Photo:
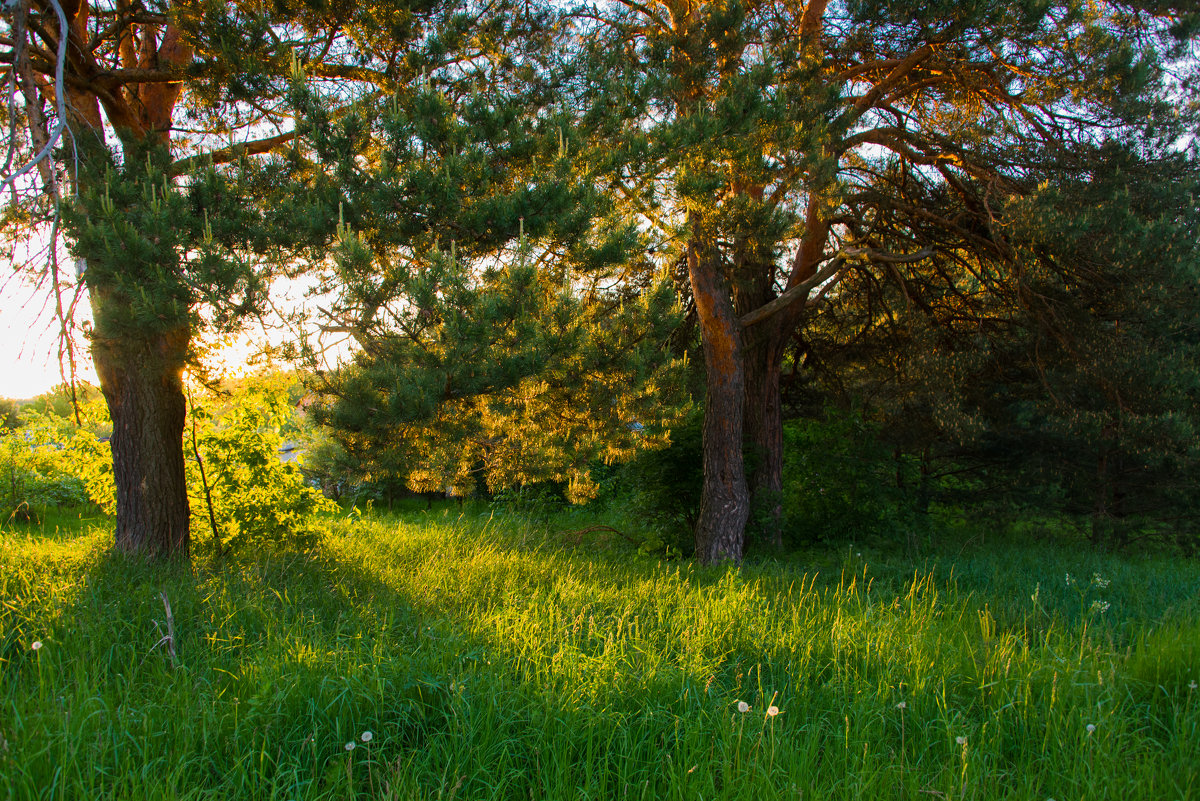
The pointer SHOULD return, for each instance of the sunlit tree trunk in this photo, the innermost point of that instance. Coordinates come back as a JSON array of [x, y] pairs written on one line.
[[725, 498]]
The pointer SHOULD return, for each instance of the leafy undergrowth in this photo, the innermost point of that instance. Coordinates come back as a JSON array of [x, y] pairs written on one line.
[[489, 658]]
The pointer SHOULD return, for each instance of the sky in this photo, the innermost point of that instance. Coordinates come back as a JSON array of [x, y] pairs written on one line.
[[29, 343], [29, 340]]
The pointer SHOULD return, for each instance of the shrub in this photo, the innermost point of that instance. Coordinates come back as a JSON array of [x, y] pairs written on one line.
[[35, 472], [256, 499], [661, 488]]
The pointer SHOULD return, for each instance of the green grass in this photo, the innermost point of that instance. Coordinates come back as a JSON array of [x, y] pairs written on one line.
[[491, 661]]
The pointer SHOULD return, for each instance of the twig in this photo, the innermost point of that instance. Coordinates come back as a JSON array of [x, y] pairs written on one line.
[[60, 101], [212, 515], [578, 535], [169, 637]]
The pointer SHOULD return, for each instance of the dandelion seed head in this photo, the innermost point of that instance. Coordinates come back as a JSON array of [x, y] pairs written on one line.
[[743, 706], [772, 711], [961, 740], [1091, 727], [902, 705], [1192, 684], [37, 645], [367, 737], [350, 746]]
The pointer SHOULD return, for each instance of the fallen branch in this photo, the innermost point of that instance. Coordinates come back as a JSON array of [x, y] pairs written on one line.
[[578, 535], [167, 639]]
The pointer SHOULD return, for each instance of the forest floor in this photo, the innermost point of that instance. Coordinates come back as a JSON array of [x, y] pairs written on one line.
[[475, 656]]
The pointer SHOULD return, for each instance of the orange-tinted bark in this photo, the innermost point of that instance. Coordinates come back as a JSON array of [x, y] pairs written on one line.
[[725, 501]]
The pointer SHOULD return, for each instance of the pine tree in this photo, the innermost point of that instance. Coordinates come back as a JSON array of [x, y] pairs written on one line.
[[146, 124], [1066, 389], [508, 327], [781, 146], [1100, 382]]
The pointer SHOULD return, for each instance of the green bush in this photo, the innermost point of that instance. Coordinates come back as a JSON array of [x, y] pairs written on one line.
[[256, 500], [661, 488], [35, 472]]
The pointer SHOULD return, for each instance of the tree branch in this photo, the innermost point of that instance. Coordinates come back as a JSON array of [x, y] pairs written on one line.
[[798, 292], [60, 124], [647, 12], [350, 73], [231, 153], [109, 78], [897, 74], [830, 271]]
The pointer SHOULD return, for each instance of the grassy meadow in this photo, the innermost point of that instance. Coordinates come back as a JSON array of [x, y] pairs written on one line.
[[492, 657]]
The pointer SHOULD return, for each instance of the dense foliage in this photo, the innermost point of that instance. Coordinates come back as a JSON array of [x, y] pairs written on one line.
[[509, 327], [255, 499], [52, 459], [34, 474], [499, 202], [248, 492]]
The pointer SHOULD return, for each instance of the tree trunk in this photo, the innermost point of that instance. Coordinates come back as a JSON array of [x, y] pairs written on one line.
[[763, 347], [724, 501], [1100, 500], [141, 381], [764, 437]]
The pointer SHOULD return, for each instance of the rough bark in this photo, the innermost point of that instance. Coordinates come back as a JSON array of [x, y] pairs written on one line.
[[725, 499], [763, 349], [764, 438], [142, 383], [765, 342]]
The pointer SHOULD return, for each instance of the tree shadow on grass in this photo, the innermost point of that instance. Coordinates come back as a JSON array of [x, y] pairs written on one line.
[[266, 669], [261, 671], [473, 661]]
